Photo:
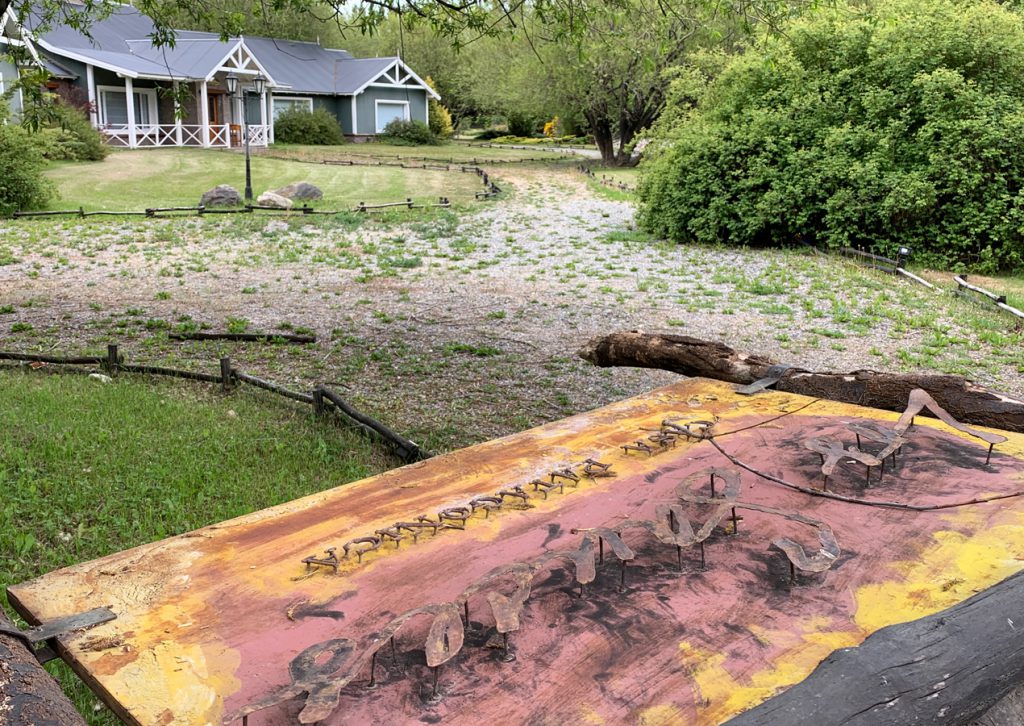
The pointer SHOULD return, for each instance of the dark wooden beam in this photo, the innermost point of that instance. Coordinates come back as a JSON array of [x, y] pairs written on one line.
[[949, 668]]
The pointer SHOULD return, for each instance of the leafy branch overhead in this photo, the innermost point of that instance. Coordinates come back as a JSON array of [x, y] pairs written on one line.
[[459, 21]]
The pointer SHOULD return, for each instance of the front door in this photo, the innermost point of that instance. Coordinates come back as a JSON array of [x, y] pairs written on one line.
[[213, 106]]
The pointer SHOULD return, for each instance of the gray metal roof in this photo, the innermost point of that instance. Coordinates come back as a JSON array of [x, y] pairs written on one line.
[[308, 68], [55, 69], [121, 42]]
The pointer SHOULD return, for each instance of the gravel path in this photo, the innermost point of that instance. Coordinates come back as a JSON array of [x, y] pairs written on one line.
[[466, 330]]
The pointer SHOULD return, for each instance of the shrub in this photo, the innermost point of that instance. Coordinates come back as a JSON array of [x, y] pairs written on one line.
[[408, 133], [522, 124], [22, 185], [70, 136], [439, 119], [299, 126], [899, 126], [488, 134]]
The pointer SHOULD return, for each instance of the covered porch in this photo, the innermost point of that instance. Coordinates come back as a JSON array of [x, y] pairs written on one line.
[[217, 111]]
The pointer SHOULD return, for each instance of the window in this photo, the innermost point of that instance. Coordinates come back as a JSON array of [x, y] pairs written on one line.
[[388, 111], [282, 104], [114, 106]]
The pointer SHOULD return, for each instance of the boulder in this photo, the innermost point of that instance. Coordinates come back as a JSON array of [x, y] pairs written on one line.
[[221, 196], [273, 199], [300, 190]]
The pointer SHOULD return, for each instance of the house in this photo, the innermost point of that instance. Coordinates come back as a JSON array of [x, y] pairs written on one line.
[[128, 83]]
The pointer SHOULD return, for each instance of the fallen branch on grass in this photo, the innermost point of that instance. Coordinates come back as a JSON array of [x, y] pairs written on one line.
[[688, 356], [245, 337]]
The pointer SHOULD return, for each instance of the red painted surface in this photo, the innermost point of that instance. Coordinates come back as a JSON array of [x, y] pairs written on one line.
[[209, 611], [616, 652]]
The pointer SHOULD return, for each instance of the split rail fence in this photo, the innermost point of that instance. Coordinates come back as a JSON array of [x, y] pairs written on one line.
[[490, 190], [324, 400]]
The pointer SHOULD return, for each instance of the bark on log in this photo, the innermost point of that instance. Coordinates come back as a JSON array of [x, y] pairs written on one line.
[[948, 668], [29, 696], [964, 400], [245, 337]]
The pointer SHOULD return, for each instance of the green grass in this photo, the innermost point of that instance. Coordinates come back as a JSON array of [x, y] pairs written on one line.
[[455, 153], [88, 468], [134, 180]]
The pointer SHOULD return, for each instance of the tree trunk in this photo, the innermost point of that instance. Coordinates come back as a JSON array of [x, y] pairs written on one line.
[[948, 668], [602, 132], [29, 696], [965, 401]]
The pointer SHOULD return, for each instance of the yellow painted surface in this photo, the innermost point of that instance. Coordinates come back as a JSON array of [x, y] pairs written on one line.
[[719, 695], [180, 601]]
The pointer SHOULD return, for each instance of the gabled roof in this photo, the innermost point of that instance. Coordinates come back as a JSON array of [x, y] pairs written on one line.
[[310, 68], [121, 43]]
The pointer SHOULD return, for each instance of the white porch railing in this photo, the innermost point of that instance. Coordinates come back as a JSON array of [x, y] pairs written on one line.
[[148, 136], [259, 135]]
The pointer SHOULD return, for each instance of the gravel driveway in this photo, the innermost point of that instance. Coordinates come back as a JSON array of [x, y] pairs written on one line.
[[463, 329]]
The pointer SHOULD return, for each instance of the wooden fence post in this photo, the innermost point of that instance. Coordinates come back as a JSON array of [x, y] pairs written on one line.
[[112, 359], [225, 374]]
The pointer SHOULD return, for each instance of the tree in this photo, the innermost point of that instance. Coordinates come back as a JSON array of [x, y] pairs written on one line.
[[898, 125], [609, 80], [460, 21]]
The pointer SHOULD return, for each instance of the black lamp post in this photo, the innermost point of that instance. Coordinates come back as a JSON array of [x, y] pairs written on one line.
[[259, 84]]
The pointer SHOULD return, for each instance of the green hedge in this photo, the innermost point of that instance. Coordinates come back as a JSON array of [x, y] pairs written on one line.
[[299, 126], [408, 133], [69, 135], [22, 184], [898, 125]]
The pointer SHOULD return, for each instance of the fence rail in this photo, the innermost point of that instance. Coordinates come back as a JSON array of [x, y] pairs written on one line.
[[999, 300], [323, 399], [606, 181], [165, 212]]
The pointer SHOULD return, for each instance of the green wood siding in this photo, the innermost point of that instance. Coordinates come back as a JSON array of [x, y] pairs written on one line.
[[366, 107], [9, 74]]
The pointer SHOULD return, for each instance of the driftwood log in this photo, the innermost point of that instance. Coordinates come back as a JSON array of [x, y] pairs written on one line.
[[688, 356], [949, 668], [29, 696]]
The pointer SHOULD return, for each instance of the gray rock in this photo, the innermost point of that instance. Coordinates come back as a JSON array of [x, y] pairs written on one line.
[[300, 190], [273, 199], [221, 196]]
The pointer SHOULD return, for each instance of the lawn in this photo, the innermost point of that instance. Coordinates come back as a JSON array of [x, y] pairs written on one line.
[[447, 153], [134, 180], [88, 468]]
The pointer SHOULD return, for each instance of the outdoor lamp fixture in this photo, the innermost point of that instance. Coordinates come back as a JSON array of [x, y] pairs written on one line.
[[259, 84], [902, 254]]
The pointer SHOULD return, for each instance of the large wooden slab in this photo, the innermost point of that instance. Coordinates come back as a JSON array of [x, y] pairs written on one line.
[[209, 621]]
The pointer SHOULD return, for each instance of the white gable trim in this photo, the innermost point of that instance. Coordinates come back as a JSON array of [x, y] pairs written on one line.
[[239, 57], [398, 67], [7, 20]]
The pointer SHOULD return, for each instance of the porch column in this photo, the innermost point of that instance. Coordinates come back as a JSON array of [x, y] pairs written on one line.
[[177, 116], [129, 97], [90, 86], [263, 115], [270, 113], [204, 114], [355, 117]]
